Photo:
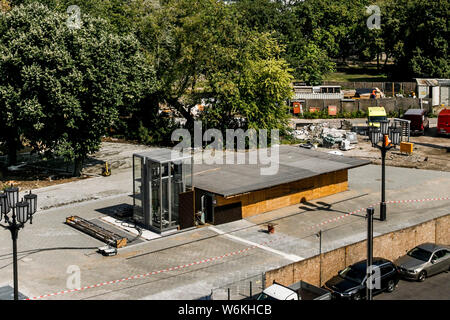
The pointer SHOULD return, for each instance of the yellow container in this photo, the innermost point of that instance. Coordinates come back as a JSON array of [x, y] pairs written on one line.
[[406, 147]]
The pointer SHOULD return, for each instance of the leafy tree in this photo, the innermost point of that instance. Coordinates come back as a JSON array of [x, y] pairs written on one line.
[[202, 52], [304, 52], [4, 6], [61, 88], [122, 15], [416, 36]]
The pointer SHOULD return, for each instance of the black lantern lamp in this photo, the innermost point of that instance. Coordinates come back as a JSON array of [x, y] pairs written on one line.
[[384, 127], [374, 135], [22, 211], [389, 137], [4, 206], [31, 199], [13, 196], [394, 136]]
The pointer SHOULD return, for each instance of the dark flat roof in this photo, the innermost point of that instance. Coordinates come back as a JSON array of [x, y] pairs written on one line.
[[294, 164], [416, 112]]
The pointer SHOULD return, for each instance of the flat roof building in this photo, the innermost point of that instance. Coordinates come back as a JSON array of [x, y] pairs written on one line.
[[226, 192]]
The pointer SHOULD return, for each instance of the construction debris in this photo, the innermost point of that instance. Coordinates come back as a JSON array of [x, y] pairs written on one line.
[[321, 134], [96, 231]]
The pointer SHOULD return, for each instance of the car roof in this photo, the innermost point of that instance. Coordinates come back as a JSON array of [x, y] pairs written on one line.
[[428, 246], [278, 291], [377, 261]]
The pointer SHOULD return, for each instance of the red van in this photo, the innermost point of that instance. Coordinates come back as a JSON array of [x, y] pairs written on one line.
[[419, 120], [443, 124]]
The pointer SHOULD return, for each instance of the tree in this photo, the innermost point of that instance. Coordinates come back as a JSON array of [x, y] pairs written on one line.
[[416, 36], [304, 50], [202, 52], [61, 88]]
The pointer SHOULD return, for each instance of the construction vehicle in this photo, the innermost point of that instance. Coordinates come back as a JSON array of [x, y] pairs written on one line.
[[298, 291], [375, 115]]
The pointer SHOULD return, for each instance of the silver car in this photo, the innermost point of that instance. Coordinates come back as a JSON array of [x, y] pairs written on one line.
[[424, 260]]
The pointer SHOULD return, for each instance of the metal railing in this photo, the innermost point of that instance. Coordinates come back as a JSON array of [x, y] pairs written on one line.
[[405, 126], [242, 289]]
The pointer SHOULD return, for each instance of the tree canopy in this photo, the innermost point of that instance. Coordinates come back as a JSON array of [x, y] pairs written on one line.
[[61, 88]]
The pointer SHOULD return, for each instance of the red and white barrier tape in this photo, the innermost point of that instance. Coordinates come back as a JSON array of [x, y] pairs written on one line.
[[224, 255]]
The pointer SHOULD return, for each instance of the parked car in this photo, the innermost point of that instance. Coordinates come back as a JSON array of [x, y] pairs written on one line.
[[443, 122], [419, 120], [298, 291], [350, 283], [423, 261]]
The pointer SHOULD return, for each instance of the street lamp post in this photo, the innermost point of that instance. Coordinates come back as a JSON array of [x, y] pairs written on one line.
[[389, 138], [22, 211], [319, 235], [369, 253]]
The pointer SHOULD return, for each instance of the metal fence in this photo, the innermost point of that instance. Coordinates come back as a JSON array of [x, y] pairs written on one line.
[[243, 289]]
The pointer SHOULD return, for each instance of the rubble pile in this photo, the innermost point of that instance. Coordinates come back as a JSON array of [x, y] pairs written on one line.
[[322, 134]]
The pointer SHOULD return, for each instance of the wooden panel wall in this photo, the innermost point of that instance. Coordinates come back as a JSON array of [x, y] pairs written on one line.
[[289, 194]]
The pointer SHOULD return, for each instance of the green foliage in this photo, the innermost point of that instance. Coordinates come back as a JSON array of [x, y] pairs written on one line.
[[203, 54], [416, 35], [62, 88]]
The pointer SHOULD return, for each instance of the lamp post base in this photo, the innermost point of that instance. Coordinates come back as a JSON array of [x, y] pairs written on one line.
[[382, 211]]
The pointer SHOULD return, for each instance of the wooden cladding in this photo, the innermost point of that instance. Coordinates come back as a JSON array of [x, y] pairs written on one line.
[[289, 193], [228, 213]]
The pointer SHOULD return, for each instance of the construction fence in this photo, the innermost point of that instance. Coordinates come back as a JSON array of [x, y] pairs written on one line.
[[320, 268], [390, 89], [352, 105]]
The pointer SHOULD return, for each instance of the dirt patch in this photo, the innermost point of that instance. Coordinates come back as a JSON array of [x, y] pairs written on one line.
[[32, 173], [30, 178], [430, 152]]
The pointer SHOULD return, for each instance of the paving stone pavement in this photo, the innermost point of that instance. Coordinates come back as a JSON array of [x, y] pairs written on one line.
[[48, 247]]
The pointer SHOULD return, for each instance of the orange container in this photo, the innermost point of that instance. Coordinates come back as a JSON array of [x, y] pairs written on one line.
[[406, 147]]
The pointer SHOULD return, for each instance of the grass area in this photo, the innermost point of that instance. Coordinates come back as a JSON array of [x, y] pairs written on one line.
[[357, 73]]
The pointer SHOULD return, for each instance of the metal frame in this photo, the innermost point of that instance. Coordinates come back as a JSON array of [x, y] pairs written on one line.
[[149, 166], [404, 124]]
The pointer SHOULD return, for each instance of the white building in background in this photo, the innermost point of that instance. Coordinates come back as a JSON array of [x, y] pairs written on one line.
[[438, 90]]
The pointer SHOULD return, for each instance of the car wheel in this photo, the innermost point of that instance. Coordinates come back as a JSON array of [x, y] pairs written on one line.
[[422, 276], [357, 296], [391, 286]]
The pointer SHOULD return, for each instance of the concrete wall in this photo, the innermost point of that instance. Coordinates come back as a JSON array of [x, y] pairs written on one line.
[[288, 194], [319, 269], [390, 104]]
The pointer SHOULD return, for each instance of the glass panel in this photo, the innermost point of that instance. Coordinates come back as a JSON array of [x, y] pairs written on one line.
[[177, 188], [187, 173], [155, 217], [137, 190], [165, 196]]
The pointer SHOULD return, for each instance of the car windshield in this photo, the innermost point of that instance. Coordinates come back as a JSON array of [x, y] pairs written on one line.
[[420, 254], [353, 274], [264, 296], [377, 118]]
